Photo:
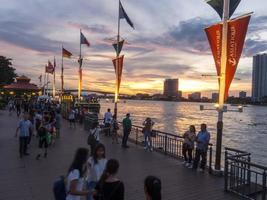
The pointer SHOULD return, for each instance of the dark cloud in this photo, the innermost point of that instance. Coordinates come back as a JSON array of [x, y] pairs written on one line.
[[23, 35], [95, 28]]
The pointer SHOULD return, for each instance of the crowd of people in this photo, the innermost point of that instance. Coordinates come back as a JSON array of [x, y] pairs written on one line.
[[39, 118], [91, 174]]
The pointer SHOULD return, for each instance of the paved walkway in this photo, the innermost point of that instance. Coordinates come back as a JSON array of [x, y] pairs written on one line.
[[28, 179]]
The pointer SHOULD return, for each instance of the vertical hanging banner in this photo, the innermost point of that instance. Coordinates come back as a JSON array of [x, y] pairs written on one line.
[[118, 61], [237, 30]]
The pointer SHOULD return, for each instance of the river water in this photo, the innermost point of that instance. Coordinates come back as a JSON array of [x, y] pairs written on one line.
[[246, 131]]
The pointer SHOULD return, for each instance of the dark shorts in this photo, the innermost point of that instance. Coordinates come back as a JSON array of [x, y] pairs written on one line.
[[43, 143]]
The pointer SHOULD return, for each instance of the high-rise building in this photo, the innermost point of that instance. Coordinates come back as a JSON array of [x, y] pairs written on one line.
[[195, 96], [242, 94], [259, 78], [171, 87]]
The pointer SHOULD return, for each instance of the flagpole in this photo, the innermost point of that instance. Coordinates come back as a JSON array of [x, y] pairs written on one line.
[[226, 7], [54, 81], [80, 70], [117, 68], [47, 81], [62, 75]]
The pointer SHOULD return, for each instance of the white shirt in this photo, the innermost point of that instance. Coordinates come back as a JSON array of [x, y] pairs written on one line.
[[108, 117], [95, 170], [74, 175], [96, 133]]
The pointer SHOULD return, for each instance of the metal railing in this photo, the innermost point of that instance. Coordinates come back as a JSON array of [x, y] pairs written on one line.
[[243, 177], [166, 143]]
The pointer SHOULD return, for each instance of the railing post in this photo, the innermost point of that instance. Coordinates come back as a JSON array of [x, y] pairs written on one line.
[[226, 171], [210, 160], [165, 144], [264, 185], [248, 172]]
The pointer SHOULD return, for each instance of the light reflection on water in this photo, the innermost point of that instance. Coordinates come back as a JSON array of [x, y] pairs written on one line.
[[245, 131]]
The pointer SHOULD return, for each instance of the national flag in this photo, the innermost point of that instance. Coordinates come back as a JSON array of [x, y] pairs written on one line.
[[116, 46], [123, 15], [118, 61], [49, 68], [237, 29], [83, 40], [217, 5], [66, 53]]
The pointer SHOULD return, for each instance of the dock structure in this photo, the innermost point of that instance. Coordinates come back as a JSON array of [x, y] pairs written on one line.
[[29, 179]]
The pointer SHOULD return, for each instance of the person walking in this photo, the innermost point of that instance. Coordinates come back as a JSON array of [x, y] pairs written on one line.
[[24, 128], [76, 176], [107, 122], [96, 166], [114, 130], [152, 187], [18, 107], [147, 131], [202, 140], [93, 137], [188, 145], [43, 141], [110, 187], [127, 127], [72, 118]]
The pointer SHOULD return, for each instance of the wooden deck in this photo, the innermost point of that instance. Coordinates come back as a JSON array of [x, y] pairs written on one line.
[[28, 179]]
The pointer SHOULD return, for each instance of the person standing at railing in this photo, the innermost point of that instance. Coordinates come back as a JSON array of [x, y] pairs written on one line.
[[147, 131], [203, 139], [188, 145], [114, 130], [127, 127], [107, 121]]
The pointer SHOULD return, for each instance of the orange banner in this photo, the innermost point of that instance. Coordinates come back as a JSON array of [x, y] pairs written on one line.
[[118, 61], [237, 30]]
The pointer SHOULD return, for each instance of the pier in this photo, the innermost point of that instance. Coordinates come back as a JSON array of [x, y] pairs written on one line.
[[29, 179]]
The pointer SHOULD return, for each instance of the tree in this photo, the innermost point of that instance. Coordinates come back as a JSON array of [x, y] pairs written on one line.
[[7, 72]]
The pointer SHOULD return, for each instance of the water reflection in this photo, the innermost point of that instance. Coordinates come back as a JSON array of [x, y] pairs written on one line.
[[246, 131]]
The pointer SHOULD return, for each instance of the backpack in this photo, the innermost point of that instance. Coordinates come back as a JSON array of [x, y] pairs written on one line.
[[59, 189], [91, 140]]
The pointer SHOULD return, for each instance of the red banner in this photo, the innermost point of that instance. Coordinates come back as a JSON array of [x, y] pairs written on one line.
[[118, 61], [49, 68], [237, 30]]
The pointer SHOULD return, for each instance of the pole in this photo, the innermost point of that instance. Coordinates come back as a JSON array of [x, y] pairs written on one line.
[[62, 77], [47, 82], [222, 85], [54, 77], [80, 70], [117, 68]]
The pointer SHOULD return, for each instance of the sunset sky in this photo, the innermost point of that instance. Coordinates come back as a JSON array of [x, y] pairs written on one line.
[[168, 41]]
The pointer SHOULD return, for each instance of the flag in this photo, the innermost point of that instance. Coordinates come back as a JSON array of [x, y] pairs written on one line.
[[49, 68], [83, 40], [119, 61], [115, 45], [123, 15], [217, 5], [237, 29], [66, 53]]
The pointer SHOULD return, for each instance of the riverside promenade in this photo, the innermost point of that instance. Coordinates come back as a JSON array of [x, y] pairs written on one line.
[[29, 179]]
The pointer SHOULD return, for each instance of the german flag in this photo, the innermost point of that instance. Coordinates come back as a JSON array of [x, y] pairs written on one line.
[[66, 53]]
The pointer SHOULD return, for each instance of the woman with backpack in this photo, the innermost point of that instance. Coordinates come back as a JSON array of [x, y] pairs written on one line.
[[152, 187], [114, 129], [76, 176], [188, 145], [147, 131], [95, 167], [94, 137], [110, 187]]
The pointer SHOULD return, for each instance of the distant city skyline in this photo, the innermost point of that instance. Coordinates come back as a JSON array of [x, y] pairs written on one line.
[[166, 44]]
